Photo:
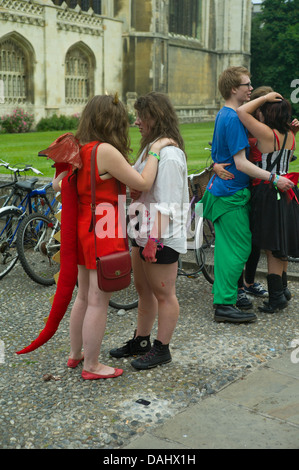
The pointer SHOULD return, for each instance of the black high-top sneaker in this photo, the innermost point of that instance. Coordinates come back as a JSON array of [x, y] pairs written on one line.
[[159, 354], [135, 346]]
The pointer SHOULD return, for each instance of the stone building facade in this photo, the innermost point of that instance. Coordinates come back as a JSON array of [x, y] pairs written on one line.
[[55, 54]]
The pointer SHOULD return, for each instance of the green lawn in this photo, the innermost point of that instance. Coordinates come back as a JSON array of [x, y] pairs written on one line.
[[22, 149]]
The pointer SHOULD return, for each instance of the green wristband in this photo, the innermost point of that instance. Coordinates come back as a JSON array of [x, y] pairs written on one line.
[[154, 154], [276, 180]]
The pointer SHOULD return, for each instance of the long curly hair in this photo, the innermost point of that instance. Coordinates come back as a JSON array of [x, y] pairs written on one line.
[[105, 119], [158, 107]]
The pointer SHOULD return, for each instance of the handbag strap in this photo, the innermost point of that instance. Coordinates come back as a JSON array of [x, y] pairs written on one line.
[[280, 153], [93, 187], [93, 196]]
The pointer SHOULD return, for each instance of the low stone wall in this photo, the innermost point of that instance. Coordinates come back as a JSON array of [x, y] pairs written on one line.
[[196, 114]]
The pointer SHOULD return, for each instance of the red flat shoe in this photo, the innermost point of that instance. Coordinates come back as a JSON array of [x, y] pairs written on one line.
[[90, 376], [72, 363]]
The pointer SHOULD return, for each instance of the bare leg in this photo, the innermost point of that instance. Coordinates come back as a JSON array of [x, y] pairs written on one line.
[[162, 280], [78, 314], [88, 321], [147, 304], [94, 327]]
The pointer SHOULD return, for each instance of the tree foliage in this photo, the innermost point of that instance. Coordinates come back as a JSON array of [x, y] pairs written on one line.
[[275, 49]]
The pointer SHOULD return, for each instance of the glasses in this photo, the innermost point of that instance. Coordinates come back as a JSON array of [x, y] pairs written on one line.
[[246, 84]]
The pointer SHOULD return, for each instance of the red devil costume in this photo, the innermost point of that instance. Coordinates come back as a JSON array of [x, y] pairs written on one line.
[[65, 151]]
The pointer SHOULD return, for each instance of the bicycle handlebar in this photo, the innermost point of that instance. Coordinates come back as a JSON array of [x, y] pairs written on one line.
[[19, 170]]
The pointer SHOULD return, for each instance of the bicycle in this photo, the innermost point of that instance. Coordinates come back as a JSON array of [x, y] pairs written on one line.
[[201, 241], [23, 193], [34, 199], [202, 229], [17, 191], [37, 243]]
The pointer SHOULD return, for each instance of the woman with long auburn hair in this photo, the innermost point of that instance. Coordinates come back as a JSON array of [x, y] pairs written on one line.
[[104, 121]]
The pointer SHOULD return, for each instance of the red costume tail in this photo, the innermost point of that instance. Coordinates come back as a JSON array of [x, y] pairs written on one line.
[[68, 263]]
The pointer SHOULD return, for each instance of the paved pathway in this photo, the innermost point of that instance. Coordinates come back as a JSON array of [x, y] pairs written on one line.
[[228, 386]]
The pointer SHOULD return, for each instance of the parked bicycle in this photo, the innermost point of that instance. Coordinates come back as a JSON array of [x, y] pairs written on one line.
[[202, 232], [37, 242], [23, 199], [14, 197], [19, 197]]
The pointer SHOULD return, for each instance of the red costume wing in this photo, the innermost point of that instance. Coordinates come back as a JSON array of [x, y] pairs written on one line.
[[65, 149]]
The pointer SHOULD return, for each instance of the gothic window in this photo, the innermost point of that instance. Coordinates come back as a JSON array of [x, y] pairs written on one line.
[[96, 5], [184, 17], [78, 77], [14, 72]]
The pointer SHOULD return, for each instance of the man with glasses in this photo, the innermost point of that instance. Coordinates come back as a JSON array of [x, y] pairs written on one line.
[[226, 201]]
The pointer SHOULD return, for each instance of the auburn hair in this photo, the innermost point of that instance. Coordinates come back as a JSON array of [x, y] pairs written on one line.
[[105, 119]]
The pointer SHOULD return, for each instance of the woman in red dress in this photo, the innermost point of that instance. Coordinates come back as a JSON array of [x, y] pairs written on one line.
[[104, 120]]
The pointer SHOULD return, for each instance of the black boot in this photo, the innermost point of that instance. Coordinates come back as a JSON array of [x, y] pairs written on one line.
[[286, 291], [277, 300], [231, 314], [135, 346], [159, 354]]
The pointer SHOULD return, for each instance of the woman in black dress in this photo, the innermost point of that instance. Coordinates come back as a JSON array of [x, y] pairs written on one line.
[[274, 214]]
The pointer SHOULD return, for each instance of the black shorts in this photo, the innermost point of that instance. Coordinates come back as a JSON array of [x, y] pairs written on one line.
[[165, 256]]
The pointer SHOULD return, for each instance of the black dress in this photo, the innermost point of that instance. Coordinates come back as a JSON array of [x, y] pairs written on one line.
[[274, 218]]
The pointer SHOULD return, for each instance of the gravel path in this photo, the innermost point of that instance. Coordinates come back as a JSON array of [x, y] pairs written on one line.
[[66, 412]]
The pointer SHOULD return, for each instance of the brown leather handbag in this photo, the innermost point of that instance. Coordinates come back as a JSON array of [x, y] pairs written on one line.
[[114, 270]]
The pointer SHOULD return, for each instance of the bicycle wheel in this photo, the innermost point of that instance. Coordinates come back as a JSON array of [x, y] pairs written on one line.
[[9, 223], [125, 299], [205, 254], [36, 246]]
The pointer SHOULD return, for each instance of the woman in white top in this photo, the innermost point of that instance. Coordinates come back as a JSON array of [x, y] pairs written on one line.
[[158, 228]]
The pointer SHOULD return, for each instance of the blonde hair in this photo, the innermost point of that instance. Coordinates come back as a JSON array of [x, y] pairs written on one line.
[[231, 78], [105, 119]]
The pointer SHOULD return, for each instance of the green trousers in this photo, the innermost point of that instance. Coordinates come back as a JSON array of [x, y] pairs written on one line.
[[230, 216]]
